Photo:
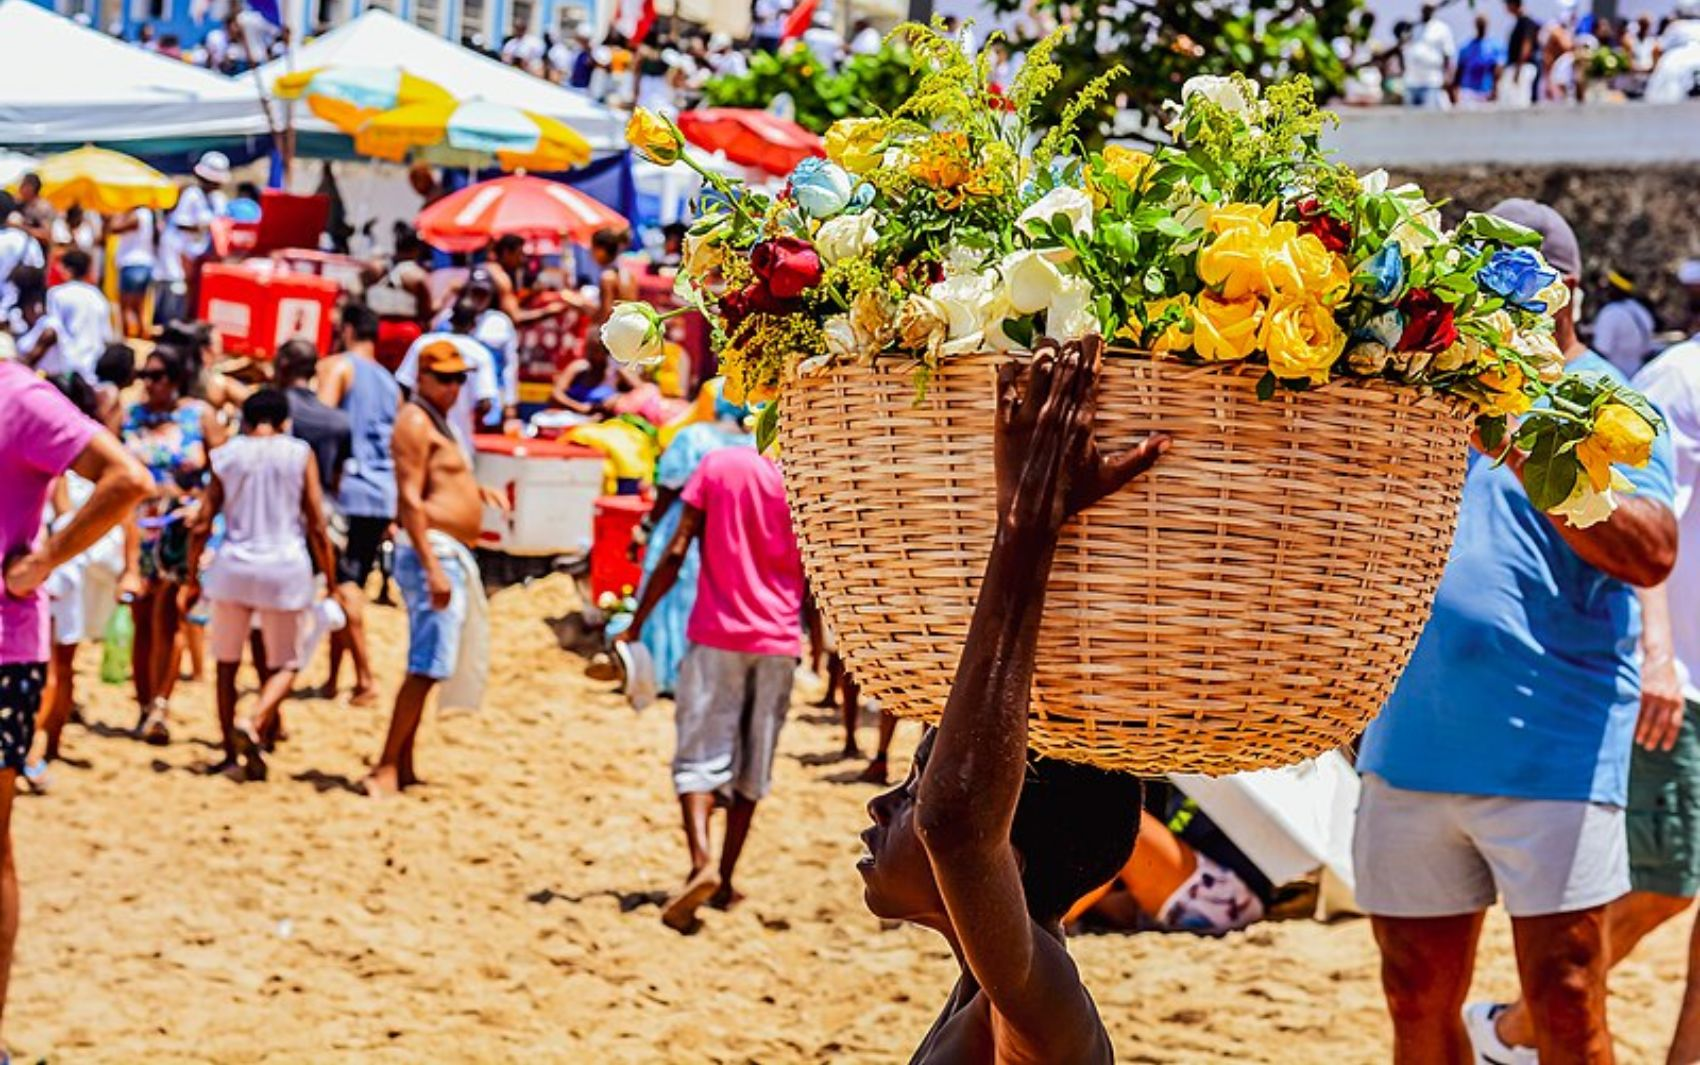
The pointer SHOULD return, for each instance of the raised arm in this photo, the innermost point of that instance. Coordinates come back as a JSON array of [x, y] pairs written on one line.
[[120, 482], [1048, 469]]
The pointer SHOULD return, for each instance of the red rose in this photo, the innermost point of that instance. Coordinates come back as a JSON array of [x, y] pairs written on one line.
[[788, 266], [1428, 322], [757, 298], [1335, 235]]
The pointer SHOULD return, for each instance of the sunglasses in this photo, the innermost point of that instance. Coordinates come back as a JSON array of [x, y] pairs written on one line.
[[458, 378], [151, 375]]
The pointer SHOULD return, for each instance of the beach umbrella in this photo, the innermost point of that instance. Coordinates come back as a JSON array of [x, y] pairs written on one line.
[[103, 180], [547, 214], [455, 132], [750, 137], [13, 166], [346, 96]]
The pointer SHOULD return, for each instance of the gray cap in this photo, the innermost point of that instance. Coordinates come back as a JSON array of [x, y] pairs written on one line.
[[1558, 240]]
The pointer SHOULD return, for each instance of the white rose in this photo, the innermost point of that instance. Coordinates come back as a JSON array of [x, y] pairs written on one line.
[[1585, 506], [1386, 328], [847, 236], [632, 335], [1073, 204], [1556, 296], [1422, 227], [1029, 281], [964, 299], [996, 314], [962, 259], [1541, 349], [1374, 183], [920, 325], [839, 338], [1223, 92], [1070, 314]]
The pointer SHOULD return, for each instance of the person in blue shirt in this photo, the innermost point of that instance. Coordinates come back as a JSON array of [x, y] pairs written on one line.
[[1499, 766], [1475, 79]]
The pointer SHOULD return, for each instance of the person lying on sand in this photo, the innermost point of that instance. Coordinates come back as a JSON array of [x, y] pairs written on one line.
[[985, 842]]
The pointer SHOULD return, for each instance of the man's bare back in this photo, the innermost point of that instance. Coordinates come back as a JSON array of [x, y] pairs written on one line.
[[449, 496]]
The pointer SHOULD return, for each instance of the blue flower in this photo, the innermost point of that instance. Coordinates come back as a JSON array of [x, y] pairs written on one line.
[[1517, 275], [821, 188], [1385, 329], [861, 199], [1384, 272]]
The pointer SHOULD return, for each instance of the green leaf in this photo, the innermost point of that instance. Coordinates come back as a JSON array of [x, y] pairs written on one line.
[[1019, 330], [1476, 226], [1548, 476], [767, 426], [1266, 387], [1492, 431]]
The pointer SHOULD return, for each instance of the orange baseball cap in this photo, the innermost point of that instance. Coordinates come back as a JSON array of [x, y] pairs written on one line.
[[444, 357]]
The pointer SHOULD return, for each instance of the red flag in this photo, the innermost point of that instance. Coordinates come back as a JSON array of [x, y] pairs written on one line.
[[633, 18], [800, 19]]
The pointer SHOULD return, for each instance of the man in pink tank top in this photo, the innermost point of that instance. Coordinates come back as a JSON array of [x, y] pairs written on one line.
[[735, 682]]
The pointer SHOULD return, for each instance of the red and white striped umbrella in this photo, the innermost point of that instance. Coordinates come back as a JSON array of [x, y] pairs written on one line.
[[548, 214]]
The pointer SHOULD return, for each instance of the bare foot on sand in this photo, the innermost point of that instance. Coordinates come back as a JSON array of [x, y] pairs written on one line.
[[876, 773], [725, 897], [381, 783], [680, 913], [363, 697]]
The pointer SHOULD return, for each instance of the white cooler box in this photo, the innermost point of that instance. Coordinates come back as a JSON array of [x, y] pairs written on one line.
[[552, 488]]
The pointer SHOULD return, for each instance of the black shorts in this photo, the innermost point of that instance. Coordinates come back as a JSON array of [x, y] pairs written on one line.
[[20, 697], [365, 536]]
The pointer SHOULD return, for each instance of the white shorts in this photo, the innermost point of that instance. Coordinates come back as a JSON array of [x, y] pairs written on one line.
[[81, 596], [1439, 854], [282, 633]]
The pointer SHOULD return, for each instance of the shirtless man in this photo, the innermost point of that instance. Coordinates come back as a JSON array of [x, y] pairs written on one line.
[[986, 843], [506, 260], [436, 498]]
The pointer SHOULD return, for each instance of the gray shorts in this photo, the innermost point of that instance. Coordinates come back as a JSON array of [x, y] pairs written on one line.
[[1438, 854], [728, 711]]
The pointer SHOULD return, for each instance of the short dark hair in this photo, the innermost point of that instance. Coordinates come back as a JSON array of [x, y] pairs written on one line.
[[116, 365], [509, 242], [31, 180], [1074, 827], [267, 406], [8, 204], [76, 262], [78, 391], [407, 242], [296, 360], [31, 284], [610, 240], [362, 319], [463, 316]]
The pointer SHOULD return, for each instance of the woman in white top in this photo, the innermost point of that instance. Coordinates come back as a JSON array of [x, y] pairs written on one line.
[[266, 484], [135, 258]]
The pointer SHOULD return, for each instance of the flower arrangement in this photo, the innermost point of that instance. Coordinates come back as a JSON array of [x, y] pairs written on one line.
[[950, 226]]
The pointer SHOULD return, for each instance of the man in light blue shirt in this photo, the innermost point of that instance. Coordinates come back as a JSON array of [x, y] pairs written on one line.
[[1500, 765]]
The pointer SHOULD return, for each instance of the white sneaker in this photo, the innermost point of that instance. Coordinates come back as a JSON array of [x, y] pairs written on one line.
[[1485, 1041]]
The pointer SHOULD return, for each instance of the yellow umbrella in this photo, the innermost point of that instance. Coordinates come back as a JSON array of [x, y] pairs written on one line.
[[346, 96], [105, 181], [516, 138]]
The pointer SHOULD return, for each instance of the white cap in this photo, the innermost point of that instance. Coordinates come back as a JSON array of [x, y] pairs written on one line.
[[1689, 272], [213, 167]]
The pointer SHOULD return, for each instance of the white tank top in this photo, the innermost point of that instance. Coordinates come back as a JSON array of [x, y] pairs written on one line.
[[263, 562]]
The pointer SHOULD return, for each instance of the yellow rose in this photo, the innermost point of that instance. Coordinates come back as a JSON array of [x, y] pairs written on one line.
[[654, 137], [1505, 390], [1301, 339], [1620, 435], [1225, 330], [1239, 216], [855, 143], [1128, 164], [1322, 273], [1237, 262]]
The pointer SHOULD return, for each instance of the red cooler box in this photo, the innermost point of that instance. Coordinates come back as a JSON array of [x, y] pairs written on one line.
[[611, 565], [255, 307], [551, 489]]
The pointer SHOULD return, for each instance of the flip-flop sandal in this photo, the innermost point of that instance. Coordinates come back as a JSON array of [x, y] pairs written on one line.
[[155, 732], [36, 779], [248, 751]]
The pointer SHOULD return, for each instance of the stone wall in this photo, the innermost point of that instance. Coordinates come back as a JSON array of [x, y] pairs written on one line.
[[1643, 220]]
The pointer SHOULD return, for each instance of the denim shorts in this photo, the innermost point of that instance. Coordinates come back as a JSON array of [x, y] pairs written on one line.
[[433, 636], [134, 280]]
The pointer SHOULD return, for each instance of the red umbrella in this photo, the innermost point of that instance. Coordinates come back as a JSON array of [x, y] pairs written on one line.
[[751, 138], [547, 214]]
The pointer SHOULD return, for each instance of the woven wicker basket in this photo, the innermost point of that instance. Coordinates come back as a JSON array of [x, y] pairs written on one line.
[[1247, 604]]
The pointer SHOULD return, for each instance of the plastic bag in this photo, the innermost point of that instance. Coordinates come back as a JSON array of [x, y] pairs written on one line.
[[115, 646]]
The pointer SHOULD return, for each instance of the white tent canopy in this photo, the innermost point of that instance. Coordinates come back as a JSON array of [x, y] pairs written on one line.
[[62, 83], [378, 38]]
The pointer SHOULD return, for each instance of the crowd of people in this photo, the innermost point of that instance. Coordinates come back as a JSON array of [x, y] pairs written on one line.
[[1572, 58]]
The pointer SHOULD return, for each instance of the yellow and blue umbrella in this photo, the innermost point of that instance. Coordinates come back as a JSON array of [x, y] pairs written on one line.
[[451, 131], [346, 96], [102, 180]]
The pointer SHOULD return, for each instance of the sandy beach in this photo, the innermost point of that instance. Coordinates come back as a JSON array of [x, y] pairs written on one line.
[[507, 911]]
